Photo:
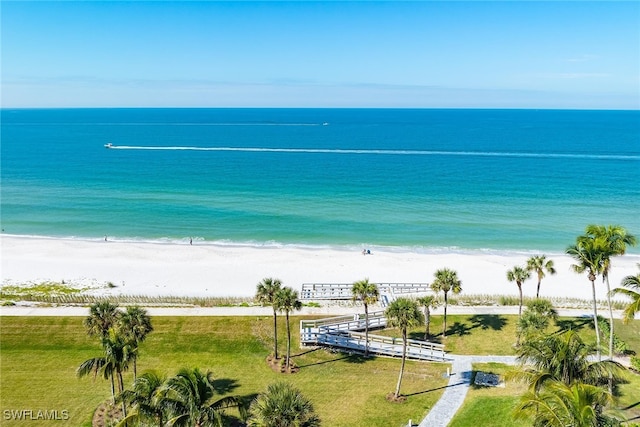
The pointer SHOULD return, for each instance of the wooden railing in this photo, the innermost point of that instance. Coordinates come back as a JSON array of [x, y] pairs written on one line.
[[342, 291], [382, 345], [341, 332], [354, 322]]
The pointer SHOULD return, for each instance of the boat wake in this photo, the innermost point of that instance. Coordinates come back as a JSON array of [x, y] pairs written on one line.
[[380, 152]]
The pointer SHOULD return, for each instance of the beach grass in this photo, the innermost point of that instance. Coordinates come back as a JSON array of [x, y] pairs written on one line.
[[40, 356], [61, 293]]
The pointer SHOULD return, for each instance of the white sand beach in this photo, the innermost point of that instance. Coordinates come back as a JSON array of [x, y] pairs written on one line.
[[171, 269]]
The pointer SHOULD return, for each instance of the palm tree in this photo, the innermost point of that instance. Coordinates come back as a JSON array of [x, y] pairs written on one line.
[[566, 358], [266, 295], [368, 294], [403, 313], [535, 319], [190, 399], [117, 354], [561, 405], [135, 324], [589, 255], [145, 398], [614, 240], [631, 282], [540, 264], [287, 301], [446, 281], [102, 317], [518, 275], [99, 365], [282, 406], [428, 302]]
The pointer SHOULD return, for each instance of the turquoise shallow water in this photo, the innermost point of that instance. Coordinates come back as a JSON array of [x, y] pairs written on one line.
[[418, 179]]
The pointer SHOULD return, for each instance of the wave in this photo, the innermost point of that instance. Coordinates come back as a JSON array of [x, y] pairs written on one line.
[[384, 152], [275, 245]]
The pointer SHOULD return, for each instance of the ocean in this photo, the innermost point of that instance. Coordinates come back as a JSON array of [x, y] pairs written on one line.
[[402, 179]]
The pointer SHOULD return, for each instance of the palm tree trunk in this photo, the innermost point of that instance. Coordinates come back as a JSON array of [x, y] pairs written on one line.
[[520, 307], [113, 389], [606, 276], [444, 324], [124, 405], [366, 330], [427, 320], [135, 369], [288, 341], [595, 319], [610, 318], [275, 334], [404, 356], [538, 289]]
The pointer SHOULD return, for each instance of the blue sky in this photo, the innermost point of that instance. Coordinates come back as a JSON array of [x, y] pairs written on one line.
[[432, 54]]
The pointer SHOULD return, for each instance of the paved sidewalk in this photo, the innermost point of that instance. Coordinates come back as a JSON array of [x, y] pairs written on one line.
[[33, 309], [456, 391]]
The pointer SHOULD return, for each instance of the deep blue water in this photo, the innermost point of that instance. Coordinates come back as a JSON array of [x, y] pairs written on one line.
[[424, 179]]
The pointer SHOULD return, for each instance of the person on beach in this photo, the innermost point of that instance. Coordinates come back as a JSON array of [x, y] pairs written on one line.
[[190, 241]]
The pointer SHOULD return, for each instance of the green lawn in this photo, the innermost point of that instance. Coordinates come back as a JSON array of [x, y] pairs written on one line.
[[40, 355]]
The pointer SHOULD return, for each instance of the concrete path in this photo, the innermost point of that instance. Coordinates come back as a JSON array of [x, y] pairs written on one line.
[[34, 309], [456, 391]]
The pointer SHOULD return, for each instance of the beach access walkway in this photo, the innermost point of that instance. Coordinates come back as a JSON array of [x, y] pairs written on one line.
[[343, 332], [343, 291]]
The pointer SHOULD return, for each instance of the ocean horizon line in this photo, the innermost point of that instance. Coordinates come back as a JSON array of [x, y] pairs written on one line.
[[311, 108]]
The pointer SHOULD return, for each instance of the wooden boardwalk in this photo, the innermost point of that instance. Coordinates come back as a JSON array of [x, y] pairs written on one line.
[[342, 291], [344, 332]]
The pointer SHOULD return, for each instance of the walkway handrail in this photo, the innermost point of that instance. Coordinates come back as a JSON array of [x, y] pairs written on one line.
[[342, 291], [352, 319], [340, 331]]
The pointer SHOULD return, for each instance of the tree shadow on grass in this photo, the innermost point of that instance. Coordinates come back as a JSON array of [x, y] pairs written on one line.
[[488, 321], [575, 324], [347, 357], [233, 421], [225, 385], [463, 375], [633, 405], [306, 352], [459, 329], [429, 391]]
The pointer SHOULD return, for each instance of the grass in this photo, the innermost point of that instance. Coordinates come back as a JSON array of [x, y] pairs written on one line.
[[492, 406], [40, 356]]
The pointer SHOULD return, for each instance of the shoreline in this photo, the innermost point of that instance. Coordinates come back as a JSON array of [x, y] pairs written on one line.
[[208, 270]]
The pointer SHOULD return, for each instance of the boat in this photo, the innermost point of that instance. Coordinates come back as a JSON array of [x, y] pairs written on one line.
[[325, 124], [108, 145]]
